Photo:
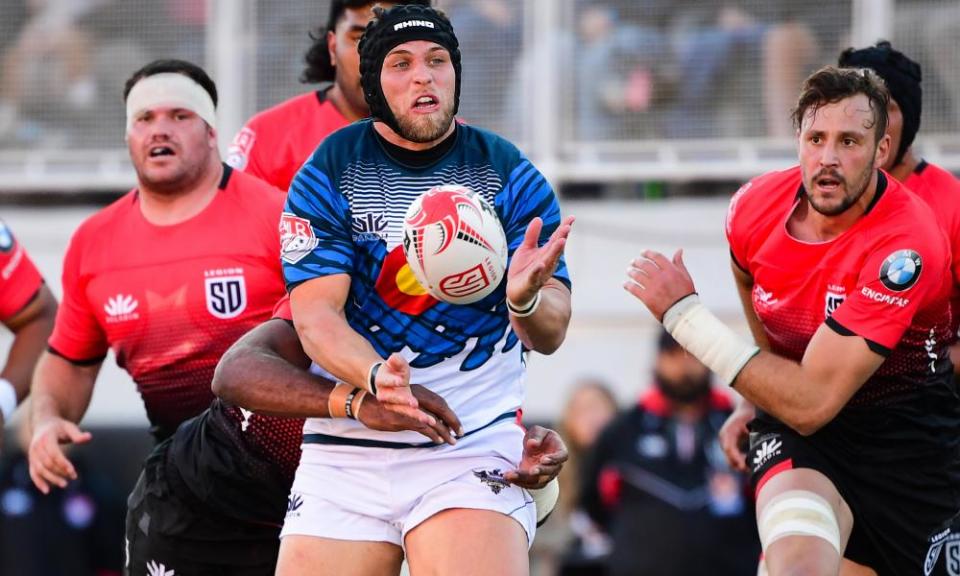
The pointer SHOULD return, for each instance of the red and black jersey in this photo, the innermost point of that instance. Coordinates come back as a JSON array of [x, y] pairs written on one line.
[[275, 143], [886, 279], [169, 300], [941, 190], [19, 278], [238, 463]]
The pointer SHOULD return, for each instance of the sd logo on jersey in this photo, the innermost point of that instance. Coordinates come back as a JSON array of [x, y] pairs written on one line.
[[226, 296]]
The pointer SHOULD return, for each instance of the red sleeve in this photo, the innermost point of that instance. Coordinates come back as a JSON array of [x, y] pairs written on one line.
[[76, 335], [282, 309], [19, 277], [246, 153], [899, 278], [738, 234]]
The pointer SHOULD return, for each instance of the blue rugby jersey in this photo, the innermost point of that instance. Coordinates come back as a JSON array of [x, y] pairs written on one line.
[[344, 215]]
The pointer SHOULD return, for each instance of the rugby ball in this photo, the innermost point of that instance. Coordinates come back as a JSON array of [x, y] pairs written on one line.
[[454, 244]]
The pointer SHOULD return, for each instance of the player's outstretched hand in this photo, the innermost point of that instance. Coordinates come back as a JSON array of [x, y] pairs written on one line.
[[734, 434], [393, 389], [48, 463], [531, 265], [543, 456], [657, 282], [444, 427]]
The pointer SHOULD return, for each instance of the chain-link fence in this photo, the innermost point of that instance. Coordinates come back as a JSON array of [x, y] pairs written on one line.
[[597, 89]]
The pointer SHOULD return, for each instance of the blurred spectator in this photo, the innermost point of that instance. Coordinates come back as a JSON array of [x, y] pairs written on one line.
[[929, 30], [568, 543], [675, 57], [76, 531], [54, 49], [658, 483], [490, 34]]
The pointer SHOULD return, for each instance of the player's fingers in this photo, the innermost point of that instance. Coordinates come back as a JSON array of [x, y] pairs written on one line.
[[636, 289], [38, 480], [532, 234], [434, 404], [396, 395], [411, 412], [439, 432], [657, 258]]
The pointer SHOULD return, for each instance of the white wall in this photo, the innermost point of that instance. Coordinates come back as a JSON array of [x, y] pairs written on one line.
[[611, 334]]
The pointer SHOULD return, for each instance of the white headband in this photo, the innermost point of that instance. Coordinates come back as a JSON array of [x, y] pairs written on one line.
[[173, 90]]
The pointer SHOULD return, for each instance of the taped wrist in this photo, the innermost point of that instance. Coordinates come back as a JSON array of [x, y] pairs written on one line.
[[702, 334], [545, 500]]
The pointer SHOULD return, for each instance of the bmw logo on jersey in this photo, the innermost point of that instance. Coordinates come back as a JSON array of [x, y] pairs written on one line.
[[901, 270]]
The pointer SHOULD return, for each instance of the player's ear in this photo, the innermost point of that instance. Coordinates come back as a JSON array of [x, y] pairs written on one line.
[[212, 136], [332, 48], [883, 150]]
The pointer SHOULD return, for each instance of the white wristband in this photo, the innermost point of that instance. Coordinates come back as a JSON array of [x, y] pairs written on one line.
[[522, 311], [545, 499], [695, 328], [8, 399]]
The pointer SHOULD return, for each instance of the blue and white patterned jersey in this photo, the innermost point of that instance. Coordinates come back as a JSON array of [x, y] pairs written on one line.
[[344, 215]]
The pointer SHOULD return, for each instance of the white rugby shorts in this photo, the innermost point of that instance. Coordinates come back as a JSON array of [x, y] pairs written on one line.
[[380, 494]]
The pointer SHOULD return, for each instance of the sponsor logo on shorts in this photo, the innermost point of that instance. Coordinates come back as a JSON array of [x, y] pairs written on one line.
[[156, 569], [947, 541], [226, 292], [766, 451], [296, 238], [294, 502], [900, 270], [493, 479]]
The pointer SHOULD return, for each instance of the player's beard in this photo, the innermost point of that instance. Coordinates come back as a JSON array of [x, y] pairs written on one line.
[[854, 188], [423, 129], [180, 180]]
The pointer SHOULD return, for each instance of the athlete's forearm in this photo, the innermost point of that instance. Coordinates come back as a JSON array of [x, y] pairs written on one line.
[[545, 330], [333, 344], [61, 389], [266, 372], [31, 327], [809, 394]]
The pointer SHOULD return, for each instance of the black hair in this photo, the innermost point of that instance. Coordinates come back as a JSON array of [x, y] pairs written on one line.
[[319, 67], [188, 69], [830, 85], [902, 77]]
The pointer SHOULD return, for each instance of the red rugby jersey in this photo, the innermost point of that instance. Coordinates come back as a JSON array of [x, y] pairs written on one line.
[[276, 440], [941, 190], [19, 278], [169, 300], [275, 143], [886, 279]]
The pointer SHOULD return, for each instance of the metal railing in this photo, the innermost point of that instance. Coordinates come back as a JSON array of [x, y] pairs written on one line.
[[591, 90]]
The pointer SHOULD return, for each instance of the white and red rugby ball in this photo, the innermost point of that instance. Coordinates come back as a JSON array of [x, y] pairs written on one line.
[[454, 244]]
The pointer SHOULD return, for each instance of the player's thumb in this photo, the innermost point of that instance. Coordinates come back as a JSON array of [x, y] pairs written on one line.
[[678, 261], [397, 363], [74, 435]]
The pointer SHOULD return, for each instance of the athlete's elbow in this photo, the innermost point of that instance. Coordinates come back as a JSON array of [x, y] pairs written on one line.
[[225, 377], [808, 421]]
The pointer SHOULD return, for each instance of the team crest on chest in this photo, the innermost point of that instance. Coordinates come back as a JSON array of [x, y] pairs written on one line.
[[226, 292], [369, 226], [834, 298]]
